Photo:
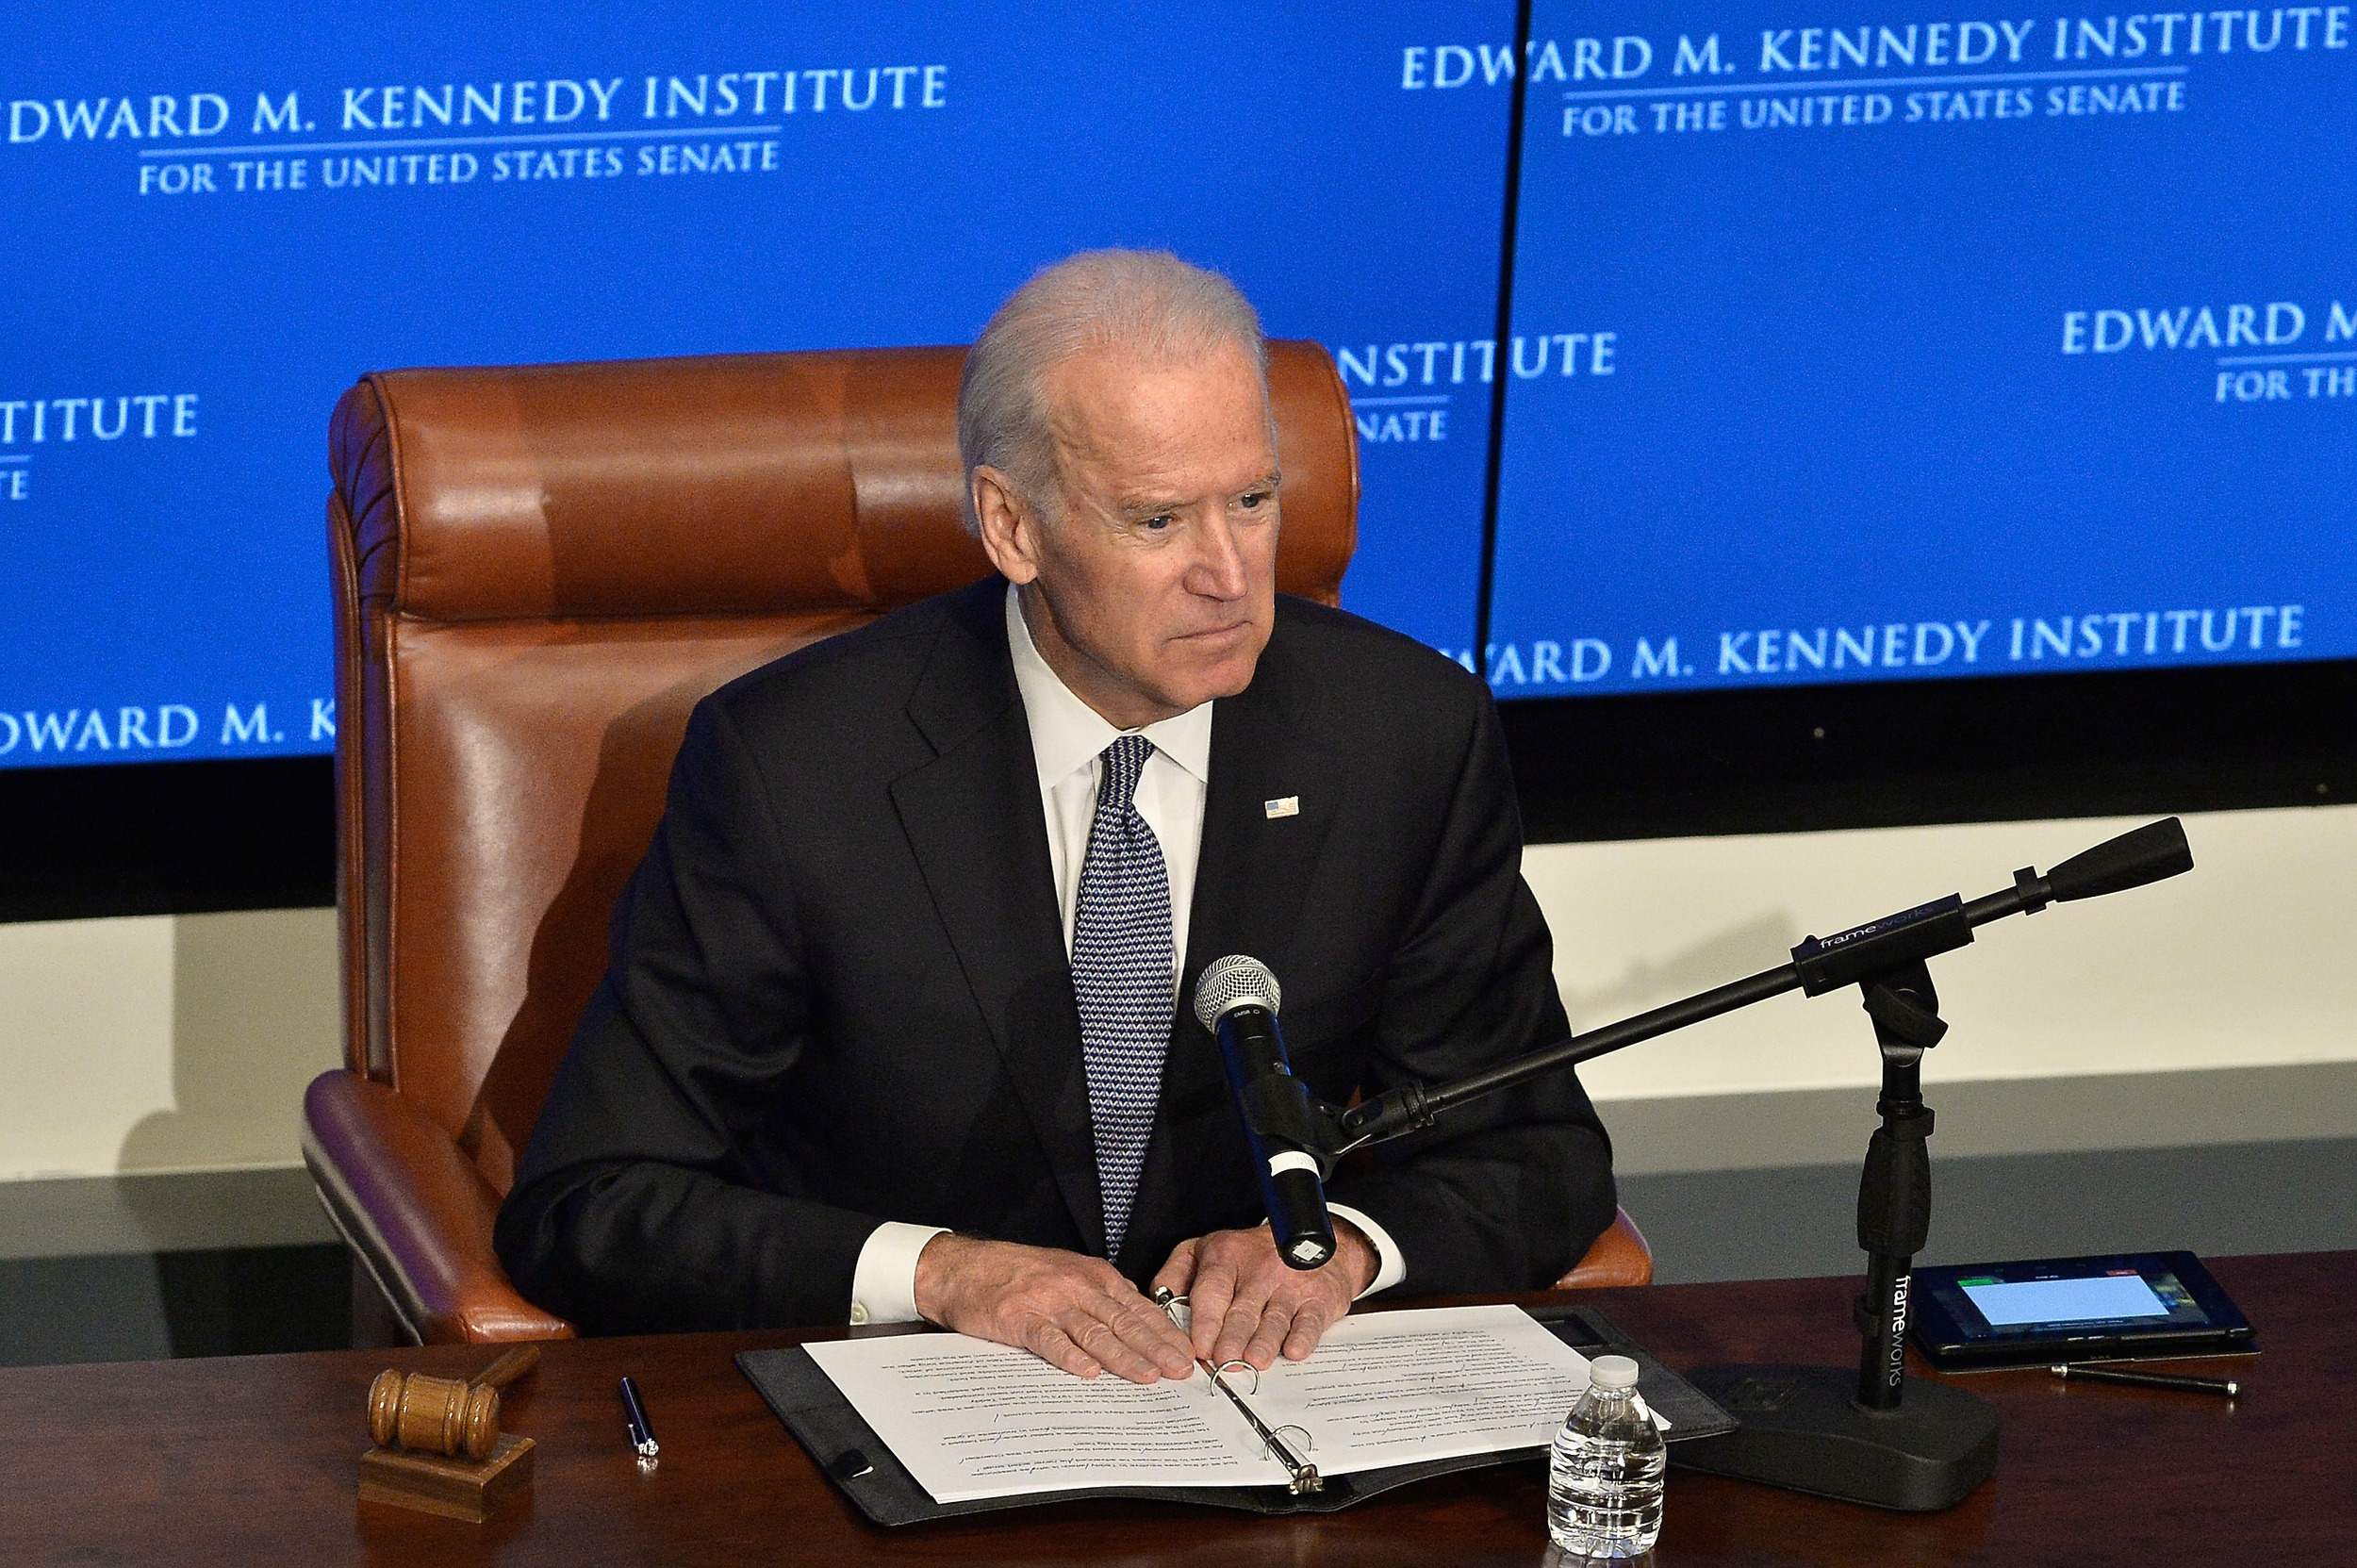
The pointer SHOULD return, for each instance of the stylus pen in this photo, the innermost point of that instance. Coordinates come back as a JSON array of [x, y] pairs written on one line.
[[641, 1434], [2226, 1386]]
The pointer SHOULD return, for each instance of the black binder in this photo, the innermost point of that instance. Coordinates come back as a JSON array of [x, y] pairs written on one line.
[[815, 1410]]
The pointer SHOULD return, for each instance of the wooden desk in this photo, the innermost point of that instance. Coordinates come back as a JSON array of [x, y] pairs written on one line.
[[253, 1461]]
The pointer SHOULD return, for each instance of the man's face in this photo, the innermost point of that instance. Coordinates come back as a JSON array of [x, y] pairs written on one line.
[[1154, 589]]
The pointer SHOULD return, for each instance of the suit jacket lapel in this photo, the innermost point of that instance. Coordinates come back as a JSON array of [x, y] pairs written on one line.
[[1254, 871], [973, 819]]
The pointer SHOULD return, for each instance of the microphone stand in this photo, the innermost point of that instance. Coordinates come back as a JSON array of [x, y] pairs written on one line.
[[1871, 1437]]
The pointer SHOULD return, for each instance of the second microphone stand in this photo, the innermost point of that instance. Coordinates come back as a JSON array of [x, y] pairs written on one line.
[[1871, 1437]]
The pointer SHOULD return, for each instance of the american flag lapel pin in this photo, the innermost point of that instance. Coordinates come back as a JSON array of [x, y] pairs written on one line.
[[1288, 805]]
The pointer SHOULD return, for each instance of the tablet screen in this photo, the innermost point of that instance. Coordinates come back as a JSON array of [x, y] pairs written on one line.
[[2013, 1307], [2119, 1297]]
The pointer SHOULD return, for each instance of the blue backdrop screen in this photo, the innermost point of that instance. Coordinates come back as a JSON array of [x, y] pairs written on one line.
[[214, 225], [1928, 343], [1921, 345]]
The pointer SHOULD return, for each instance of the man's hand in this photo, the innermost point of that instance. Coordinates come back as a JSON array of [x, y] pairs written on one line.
[[1248, 1306], [1072, 1311]]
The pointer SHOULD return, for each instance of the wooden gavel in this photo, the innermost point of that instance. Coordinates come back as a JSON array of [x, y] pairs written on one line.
[[458, 1418]]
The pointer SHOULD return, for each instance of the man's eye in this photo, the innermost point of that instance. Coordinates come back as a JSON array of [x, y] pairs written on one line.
[[1252, 499], [1159, 521]]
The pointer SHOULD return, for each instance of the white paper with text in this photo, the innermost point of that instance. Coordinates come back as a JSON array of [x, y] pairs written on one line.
[[1399, 1388], [971, 1419]]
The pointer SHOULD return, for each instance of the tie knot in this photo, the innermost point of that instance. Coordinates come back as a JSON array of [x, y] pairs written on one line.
[[1125, 759]]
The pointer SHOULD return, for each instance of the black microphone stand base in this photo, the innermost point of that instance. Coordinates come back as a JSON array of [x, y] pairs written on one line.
[[1803, 1429]]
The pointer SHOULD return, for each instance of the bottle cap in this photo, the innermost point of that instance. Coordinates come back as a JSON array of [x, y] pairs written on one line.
[[1612, 1371]]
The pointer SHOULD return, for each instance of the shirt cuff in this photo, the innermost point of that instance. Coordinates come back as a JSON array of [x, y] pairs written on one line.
[[883, 1283], [1392, 1267]]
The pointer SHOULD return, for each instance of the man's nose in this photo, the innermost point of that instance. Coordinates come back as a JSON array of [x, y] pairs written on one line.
[[1219, 569]]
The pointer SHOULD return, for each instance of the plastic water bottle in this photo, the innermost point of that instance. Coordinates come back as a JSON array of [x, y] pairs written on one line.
[[1604, 1483]]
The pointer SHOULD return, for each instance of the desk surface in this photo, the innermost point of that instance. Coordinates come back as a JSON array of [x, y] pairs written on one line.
[[254, 1459]]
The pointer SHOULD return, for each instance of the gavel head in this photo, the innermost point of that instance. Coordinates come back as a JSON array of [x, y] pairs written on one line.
[[433, 1416]]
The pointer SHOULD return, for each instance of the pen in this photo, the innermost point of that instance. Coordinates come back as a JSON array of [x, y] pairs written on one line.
[[2225, 1386], [641, 1434]]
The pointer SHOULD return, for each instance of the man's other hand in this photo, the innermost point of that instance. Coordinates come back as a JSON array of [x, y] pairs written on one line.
[[1072, 1311], [1248, 1306]]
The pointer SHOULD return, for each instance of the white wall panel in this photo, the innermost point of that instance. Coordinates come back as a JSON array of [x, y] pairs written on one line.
[[85, 1041], [157, 1044], [160, 1044]]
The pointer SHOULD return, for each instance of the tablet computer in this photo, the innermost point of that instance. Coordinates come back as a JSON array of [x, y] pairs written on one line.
[[2117, 1306]]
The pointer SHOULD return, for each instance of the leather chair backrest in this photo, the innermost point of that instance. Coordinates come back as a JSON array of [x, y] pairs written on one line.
[[539, 571]]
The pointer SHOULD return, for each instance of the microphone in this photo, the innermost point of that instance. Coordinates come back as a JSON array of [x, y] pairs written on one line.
[[1236, 999]]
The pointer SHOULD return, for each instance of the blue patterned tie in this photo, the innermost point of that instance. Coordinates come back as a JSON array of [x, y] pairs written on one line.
[[1124, 980]]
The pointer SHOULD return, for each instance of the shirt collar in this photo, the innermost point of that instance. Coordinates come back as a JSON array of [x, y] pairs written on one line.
[[1067, 733]]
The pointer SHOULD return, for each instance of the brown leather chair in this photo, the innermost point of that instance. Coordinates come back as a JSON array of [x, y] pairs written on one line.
[[1619, 1257], [538, 570]]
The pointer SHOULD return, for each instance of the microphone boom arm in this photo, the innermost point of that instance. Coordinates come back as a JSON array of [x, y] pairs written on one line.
[[1854, 957]]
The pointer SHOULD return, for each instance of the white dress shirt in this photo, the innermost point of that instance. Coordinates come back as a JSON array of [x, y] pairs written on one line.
[[1068, 741]]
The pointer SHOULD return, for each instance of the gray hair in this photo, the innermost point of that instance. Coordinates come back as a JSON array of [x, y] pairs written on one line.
[[1148, 302]]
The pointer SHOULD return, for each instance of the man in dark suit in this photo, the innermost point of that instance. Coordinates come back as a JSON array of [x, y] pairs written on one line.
[[894, 1020]]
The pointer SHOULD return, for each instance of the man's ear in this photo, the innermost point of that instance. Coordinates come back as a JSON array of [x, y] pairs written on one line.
[[1010, 533]]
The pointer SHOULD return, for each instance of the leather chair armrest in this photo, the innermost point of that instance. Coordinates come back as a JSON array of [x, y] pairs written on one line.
[[417, 1212], [1620, 1257]]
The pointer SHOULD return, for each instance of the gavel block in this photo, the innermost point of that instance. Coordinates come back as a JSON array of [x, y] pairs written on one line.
[[440, 1448], [454, 1488]]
